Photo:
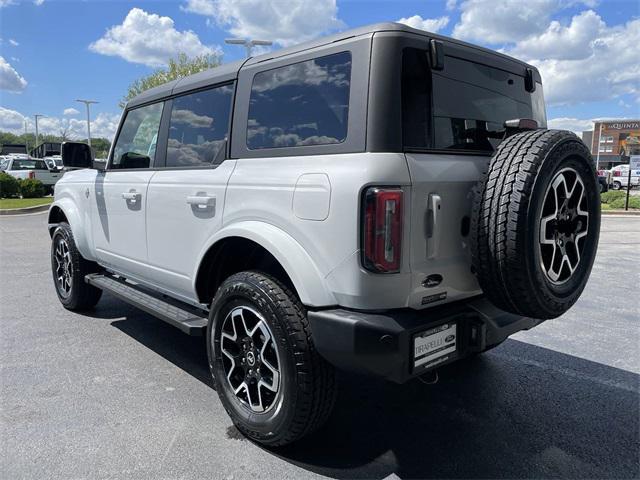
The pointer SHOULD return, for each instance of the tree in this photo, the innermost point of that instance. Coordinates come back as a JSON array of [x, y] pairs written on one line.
[[179, 67], [65, 130]]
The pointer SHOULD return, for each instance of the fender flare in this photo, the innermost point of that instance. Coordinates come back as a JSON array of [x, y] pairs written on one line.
[[81, 237], [302, 270]]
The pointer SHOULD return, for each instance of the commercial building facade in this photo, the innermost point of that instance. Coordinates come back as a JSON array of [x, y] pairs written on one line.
[[614, 141]]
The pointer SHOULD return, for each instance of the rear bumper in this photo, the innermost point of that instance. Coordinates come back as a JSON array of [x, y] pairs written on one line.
[[381, 344]]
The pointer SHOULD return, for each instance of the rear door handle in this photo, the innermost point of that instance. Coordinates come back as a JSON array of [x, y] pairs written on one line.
[[201, 200]]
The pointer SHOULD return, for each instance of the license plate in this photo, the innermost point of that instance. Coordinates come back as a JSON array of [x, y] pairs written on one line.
[[434, 346]]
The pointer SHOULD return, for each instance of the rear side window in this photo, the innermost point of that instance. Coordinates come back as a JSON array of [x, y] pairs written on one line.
[[306, 103], [198, 127], [467, 106], [138, 138]]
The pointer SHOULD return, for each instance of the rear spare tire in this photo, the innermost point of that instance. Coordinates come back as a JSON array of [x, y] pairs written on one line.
[[536, 223]]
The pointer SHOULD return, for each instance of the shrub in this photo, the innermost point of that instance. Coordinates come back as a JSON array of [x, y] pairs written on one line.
[[611, 195], [31, 188], [634, 202], [9, 186]]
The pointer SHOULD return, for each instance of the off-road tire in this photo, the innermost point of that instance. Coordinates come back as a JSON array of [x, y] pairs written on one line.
[[81, 296], [506, 223], [308, 386]]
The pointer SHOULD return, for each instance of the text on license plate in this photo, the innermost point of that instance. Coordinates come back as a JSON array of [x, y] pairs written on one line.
[[435, 345]]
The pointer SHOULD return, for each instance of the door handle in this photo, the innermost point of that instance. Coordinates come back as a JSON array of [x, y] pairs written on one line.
[[433, 235], [130, 196], [201, 200]]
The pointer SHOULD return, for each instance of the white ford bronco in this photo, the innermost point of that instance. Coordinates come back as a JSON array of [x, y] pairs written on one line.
[[383, 201]]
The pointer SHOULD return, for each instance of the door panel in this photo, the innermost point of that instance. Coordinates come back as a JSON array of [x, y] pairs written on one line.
[[120, 234], [184, 211]]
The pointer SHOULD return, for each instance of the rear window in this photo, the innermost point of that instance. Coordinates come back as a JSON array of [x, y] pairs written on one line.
[[306, 103], [29, 165], [464, 106]]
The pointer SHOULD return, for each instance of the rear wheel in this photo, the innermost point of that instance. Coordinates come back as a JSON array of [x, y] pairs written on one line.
[[69, 268], [536, 223], [273, 384], [617, 185]]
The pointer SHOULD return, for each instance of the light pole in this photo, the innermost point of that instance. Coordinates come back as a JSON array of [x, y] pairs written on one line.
[[598, 147], [247, 43], [87, 103], [37, 115]]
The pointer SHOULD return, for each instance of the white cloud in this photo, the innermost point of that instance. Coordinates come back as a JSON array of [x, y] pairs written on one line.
[[11, 121], [104, 125], [10, 80], [284, 22], [149, 39], [451, 4], [70, 111], [6, 3], [575, 125], [488, 21], [585, 61], [571, 42], [429, 24], [38, 2], [13, 42]]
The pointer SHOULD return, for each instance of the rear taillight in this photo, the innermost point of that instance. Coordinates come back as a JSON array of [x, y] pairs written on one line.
[[617, 173], [32, 174], [382, 230]]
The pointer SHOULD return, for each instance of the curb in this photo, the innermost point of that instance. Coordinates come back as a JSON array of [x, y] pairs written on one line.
[[630, 213], [21, 211]]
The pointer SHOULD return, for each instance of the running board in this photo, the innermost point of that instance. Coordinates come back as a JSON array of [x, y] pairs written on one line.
[[190, 320]]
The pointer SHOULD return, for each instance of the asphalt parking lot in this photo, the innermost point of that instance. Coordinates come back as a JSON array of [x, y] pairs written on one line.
[[119, 394]]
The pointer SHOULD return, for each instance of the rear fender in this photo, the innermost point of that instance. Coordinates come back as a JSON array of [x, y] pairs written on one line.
[[302, 270]]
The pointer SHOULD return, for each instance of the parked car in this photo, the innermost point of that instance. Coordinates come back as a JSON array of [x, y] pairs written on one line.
[[324, 206], [31, 168], [54, 162], [620, 177]]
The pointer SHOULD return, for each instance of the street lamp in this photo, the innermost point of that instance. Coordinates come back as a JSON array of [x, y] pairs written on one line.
[[87, 103], [37, 115], [248, 44]]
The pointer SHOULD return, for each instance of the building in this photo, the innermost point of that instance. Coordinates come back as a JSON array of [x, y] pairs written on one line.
[[615, 142]]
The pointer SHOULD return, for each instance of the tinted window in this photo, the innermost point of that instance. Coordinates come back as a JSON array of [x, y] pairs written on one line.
[[306, 103], [469, 103], [136, 144], [29, 165], [198, 127]]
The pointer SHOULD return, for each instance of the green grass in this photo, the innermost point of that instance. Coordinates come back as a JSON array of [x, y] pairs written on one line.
[[24, 202]]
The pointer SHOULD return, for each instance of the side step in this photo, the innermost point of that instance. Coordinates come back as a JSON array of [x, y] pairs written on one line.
[[188, 319]]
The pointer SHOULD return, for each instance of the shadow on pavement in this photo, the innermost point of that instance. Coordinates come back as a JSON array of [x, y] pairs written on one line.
[[519, 411]]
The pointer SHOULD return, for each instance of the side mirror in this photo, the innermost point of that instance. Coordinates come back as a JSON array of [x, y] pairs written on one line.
[[76, 155]]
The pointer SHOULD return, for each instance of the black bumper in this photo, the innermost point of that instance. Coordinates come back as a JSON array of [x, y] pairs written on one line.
[[381, 344]]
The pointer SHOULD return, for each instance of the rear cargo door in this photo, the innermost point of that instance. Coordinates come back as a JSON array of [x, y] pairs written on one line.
[[453, 119]]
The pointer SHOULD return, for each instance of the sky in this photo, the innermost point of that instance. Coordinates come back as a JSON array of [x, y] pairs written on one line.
[[54, 52]]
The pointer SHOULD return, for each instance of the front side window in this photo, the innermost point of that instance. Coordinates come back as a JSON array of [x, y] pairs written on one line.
[[198, 127], [136, 143], [306, 103], [464, 106]]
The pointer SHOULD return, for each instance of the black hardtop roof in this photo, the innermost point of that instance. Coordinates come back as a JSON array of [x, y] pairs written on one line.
[[229, 71]]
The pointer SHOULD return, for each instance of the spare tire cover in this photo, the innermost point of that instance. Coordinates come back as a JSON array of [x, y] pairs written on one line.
[[535, 223]]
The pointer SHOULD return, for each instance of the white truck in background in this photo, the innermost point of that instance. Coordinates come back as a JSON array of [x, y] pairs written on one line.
[[23, 168]]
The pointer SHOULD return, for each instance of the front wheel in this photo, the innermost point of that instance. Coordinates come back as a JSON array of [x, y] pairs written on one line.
[[617, 185], [273, 384], [69, 268]]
